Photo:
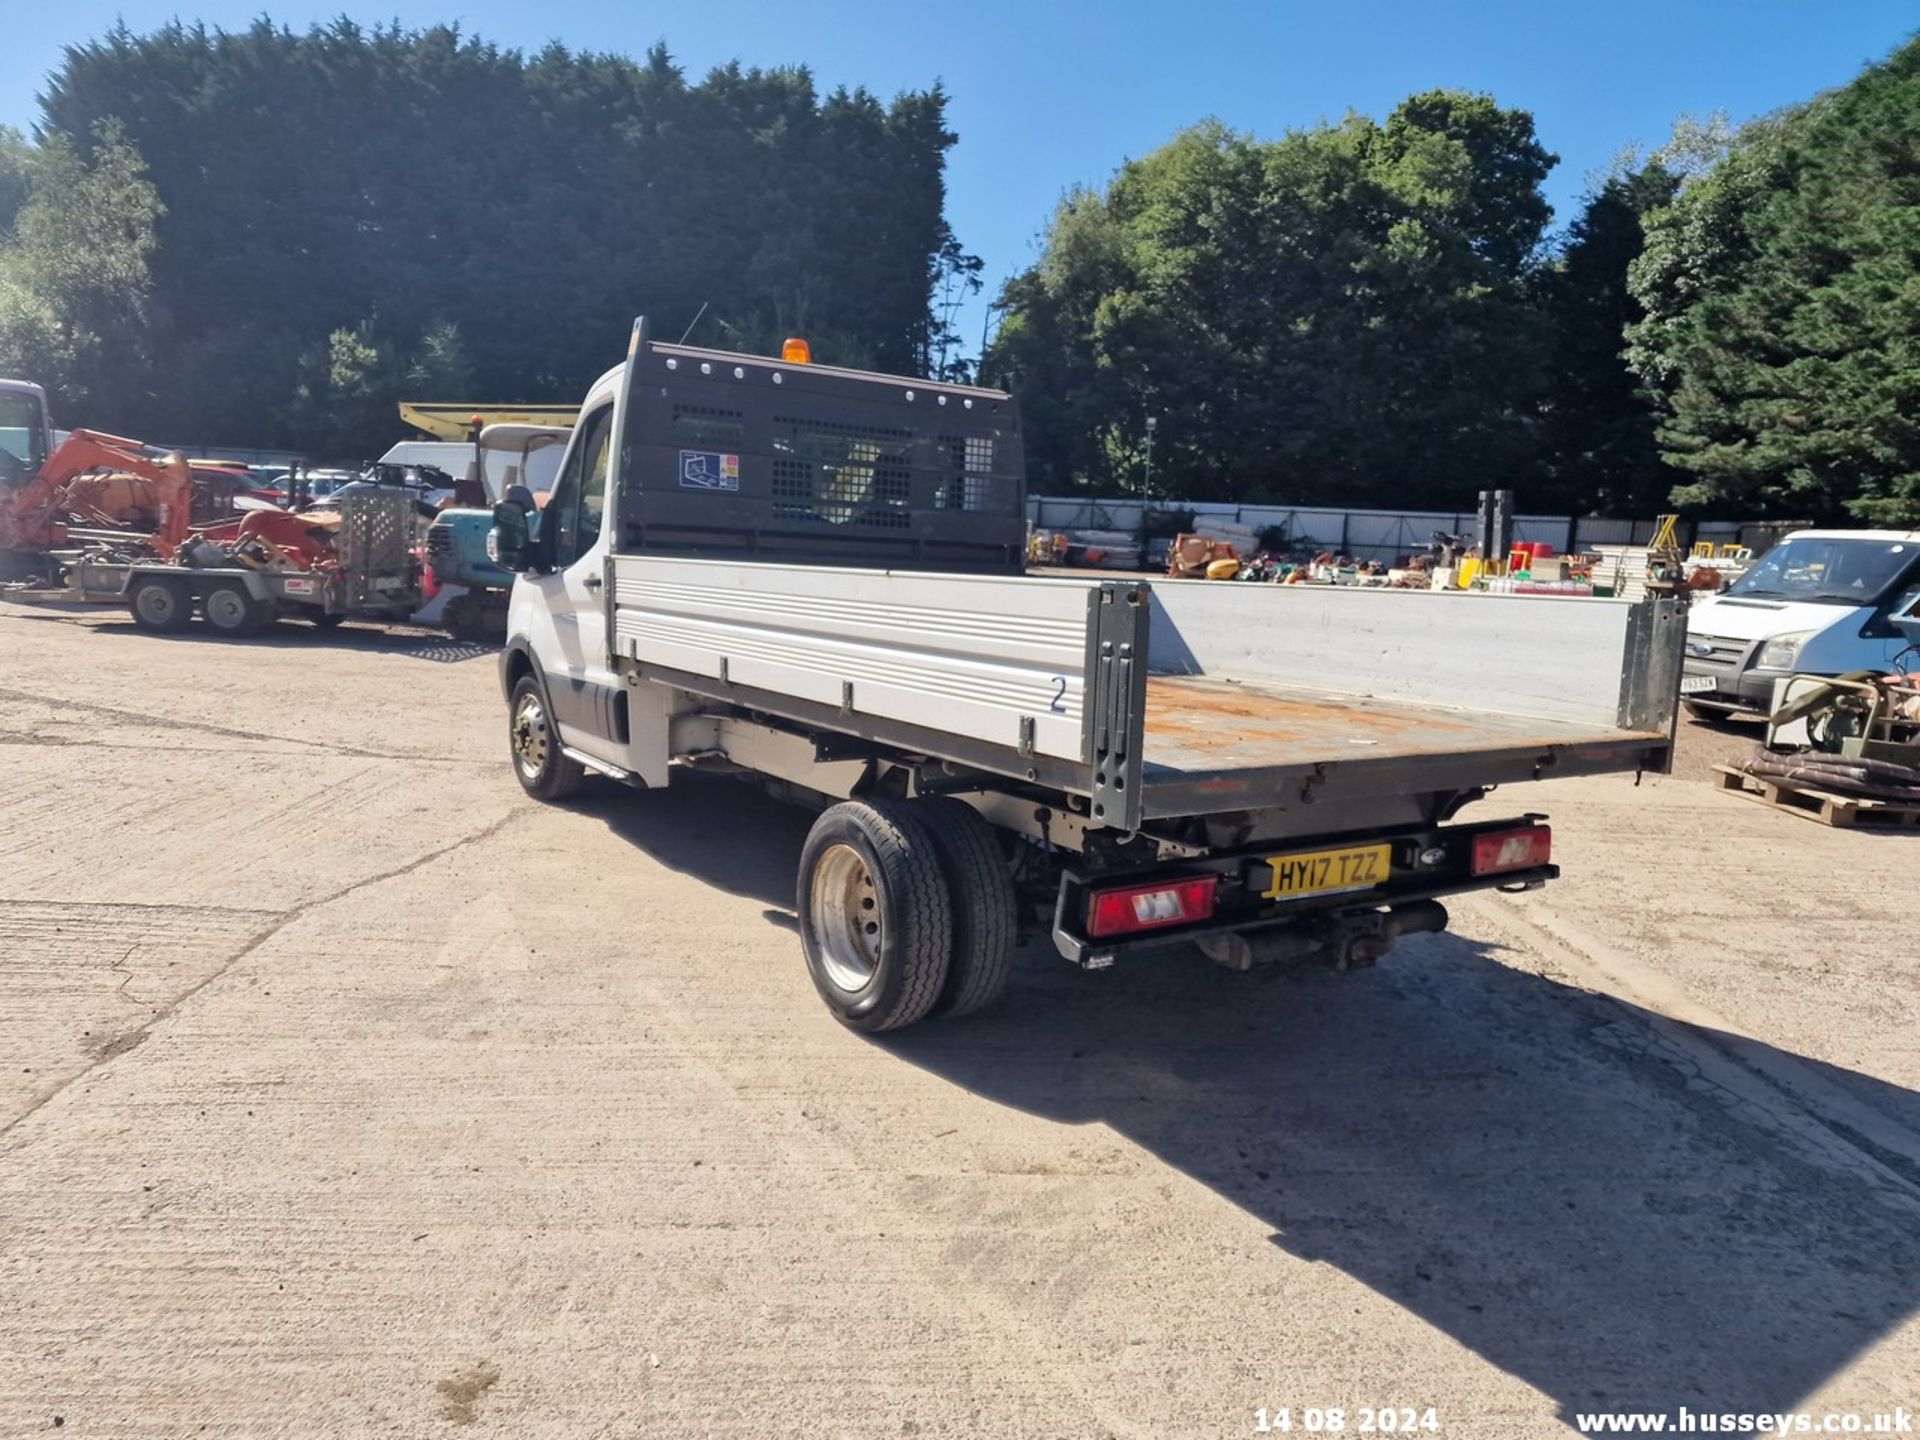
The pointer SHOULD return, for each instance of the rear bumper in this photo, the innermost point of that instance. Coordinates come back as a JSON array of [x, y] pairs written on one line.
[[1240, 909]]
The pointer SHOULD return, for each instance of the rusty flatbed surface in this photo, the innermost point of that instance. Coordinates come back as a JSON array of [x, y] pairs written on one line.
[[1215, 737]]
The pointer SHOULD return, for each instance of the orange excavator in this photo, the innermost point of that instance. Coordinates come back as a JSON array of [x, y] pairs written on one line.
[[107, 480]]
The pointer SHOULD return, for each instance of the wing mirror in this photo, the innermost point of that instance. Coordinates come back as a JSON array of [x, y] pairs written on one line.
[[510, 541]]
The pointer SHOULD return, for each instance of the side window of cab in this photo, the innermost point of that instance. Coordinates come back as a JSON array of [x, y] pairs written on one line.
[[579, 499]]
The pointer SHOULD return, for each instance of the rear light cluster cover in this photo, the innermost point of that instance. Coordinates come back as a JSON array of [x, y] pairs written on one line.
[[1502, 850], [1150, 907]]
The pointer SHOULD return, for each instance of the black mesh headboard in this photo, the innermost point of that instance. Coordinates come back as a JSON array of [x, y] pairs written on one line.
[[743, 457]]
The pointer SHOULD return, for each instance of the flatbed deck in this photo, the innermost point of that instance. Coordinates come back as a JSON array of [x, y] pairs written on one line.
[[1206, 737]]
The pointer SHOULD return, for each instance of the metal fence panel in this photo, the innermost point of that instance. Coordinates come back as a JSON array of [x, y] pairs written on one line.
[[1383, 535]]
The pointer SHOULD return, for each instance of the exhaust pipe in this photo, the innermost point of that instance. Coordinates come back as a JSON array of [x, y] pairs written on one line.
[[1418, 917], [1245, 949], [1347, 943], [1373, 941]]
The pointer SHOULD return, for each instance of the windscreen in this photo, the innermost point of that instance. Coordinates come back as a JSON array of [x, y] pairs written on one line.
[[1831, 571], [827, 467]]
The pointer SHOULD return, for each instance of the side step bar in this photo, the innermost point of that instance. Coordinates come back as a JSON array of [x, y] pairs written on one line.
[[603, 767]]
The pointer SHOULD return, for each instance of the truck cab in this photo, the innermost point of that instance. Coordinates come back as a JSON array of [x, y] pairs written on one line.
[[25, 437], [556, 621], [1820, 602], [727, 456]]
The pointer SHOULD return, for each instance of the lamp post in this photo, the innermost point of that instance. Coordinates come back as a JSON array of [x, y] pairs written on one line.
[[1146, 488]]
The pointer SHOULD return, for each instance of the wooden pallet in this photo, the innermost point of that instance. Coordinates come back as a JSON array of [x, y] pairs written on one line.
[[1842, 812]]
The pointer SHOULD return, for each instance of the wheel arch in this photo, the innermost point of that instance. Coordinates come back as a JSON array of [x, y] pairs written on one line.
[[517, 661]]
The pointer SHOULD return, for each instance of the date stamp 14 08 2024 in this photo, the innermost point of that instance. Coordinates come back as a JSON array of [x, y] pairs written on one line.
[[1344, 1420]]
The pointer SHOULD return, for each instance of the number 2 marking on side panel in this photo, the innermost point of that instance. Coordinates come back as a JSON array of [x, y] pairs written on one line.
[[1059, 694]]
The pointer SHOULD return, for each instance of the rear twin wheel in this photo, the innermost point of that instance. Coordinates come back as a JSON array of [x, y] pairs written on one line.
[[906, 910], [985, 921]]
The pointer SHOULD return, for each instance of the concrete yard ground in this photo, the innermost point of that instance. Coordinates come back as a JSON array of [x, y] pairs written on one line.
[[348, 1093]]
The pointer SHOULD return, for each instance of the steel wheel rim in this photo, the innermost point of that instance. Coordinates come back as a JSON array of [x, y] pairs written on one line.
[[845, 909], [530, 739], [156, 604], [225, 610]]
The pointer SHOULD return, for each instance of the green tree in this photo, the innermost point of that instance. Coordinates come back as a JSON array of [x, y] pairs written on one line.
[[76, 234], [1782, 312], [347, 388], [1341, 313]]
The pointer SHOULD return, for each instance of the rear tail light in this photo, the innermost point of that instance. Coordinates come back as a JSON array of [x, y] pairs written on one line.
[[1149, 907], [1503, 850]]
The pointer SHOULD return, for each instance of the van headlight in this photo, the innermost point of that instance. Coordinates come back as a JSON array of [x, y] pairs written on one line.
[[1782, 651]]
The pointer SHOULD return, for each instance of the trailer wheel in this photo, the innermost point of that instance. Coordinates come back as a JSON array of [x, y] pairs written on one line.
[[231, 609], [534, 743], [161, 605], [985, 919], [875, 920]]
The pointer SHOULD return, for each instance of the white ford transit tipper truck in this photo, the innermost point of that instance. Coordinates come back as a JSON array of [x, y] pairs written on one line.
[[812, 577]]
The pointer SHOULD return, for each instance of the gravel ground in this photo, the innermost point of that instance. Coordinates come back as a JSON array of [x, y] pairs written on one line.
[[349, 1093], [1703, 744]]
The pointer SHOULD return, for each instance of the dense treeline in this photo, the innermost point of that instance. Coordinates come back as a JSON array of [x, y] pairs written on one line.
[[1342, 313], [1374, 314], [344, 217], [1781, 336], [1361, 313], [268, 237]]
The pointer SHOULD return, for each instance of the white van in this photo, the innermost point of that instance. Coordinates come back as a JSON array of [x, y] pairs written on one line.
[[1816, 604]]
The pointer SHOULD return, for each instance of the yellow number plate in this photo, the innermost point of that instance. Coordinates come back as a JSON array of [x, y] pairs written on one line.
[[1326, 872]]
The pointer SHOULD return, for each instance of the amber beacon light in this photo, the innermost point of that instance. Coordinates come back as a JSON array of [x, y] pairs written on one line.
[[796, 351]]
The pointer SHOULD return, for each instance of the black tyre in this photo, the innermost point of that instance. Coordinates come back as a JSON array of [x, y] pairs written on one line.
[[325, 619], [534, 743], [231, 609], [160, 605], [875, 919], [985, 919]]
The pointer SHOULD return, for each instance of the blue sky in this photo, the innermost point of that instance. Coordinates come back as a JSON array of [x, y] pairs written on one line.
[[1047, 95]]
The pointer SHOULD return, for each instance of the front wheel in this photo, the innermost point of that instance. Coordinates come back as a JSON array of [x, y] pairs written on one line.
[[875, 919], [543, 771]]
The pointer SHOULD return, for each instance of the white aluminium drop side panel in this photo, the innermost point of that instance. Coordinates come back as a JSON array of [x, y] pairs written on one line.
[[966, 655]]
